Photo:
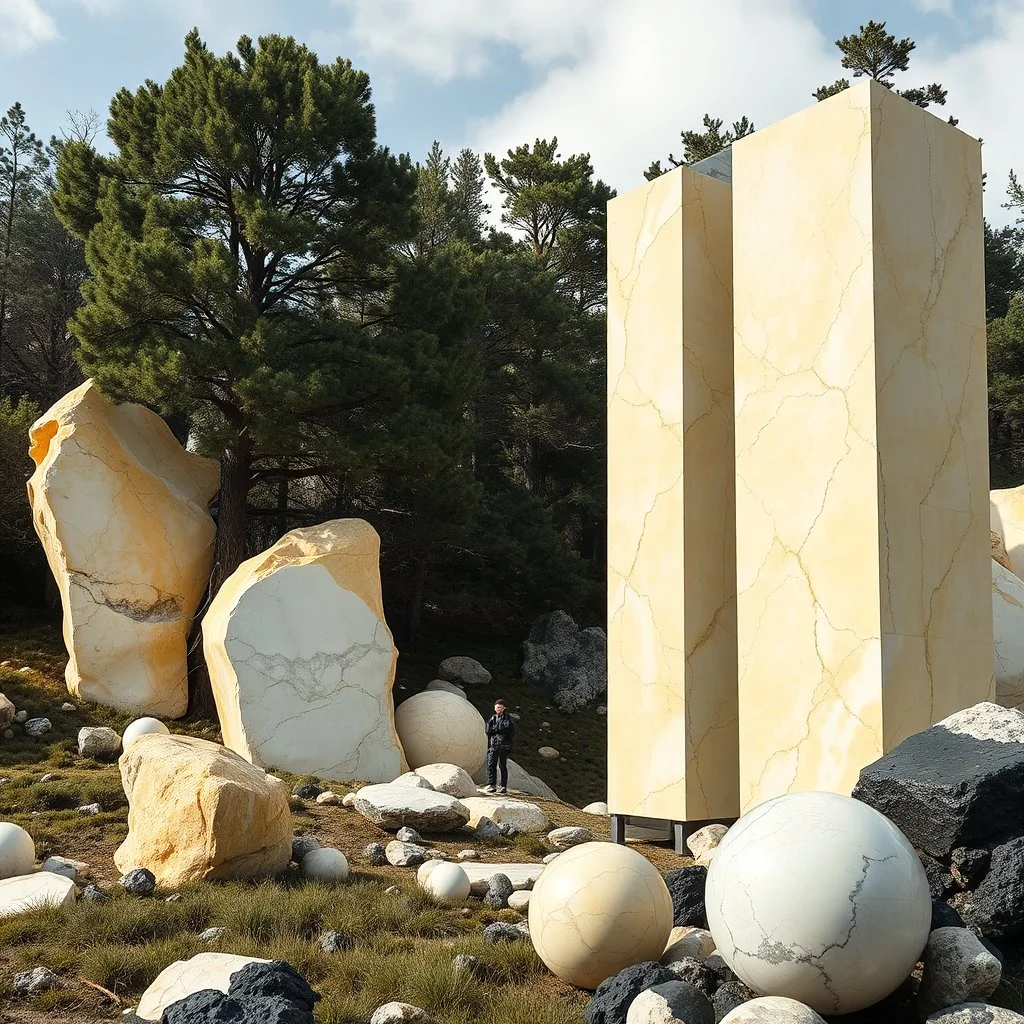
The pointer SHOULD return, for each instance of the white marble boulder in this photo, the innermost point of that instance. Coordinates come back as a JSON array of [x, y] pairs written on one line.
[[394, 807], [29, 892], [448, 778], [301, 659], [504, 810], [121, 510], [440, 728], [184, 977], [1008, 630], [445, 687]]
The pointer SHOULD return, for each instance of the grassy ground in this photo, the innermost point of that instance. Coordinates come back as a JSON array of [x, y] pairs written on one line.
[[403, 942]]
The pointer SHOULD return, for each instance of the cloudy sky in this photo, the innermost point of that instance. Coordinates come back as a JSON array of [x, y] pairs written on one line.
[[615, 78]]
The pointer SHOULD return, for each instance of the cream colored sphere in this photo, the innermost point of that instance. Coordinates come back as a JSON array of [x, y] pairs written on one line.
[[325, 865], [447, 882], [438, 727], [143, 727], [423, 871], [597, 909], [17, 851]]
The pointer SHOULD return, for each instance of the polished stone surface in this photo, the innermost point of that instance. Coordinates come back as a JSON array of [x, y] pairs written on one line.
[[1008, 630], [863, 607], [819, 898], [437, 727], [597, 909], [447, 882], [29, 892], [301, 659], [121, 510], [17, 850], [1006, 511], [671, 525]]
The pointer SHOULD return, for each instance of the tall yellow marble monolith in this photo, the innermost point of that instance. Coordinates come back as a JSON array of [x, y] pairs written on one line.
[[672, 748], [864, 609]]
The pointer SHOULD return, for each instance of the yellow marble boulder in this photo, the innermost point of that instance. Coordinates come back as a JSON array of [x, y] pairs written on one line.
[[121, 510], [197, 810], [301, 659], [1008, 630], [1006, 512]]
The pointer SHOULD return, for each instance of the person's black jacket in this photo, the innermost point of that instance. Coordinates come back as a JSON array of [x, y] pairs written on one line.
[[501, 731]]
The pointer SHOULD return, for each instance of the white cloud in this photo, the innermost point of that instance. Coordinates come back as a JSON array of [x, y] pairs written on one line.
[[935, 7], [24, 25]]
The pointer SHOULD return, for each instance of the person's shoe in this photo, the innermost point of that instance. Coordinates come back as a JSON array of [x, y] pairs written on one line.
[[502, 789], [489, 789]]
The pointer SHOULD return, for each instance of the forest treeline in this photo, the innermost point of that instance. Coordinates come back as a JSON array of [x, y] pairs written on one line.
[[346, 332]]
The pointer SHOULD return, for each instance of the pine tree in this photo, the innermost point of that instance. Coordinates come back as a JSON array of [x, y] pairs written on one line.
[[700, 145], [875, 53], [469, 209], [241, 243]]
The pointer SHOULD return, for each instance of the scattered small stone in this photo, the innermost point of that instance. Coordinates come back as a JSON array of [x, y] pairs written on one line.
[[36, 727], [99, 742], [548, 858], [957, 969], [335, 942], [671, 1001], [65, 867], [307, 791], [975, 1013], [465, 912], [404, 854], [502, 932], [39, 979], [25, 668], [728, 996], [328, 798], [8, 734], [174, 897], [602, 709], [376, 855], [719, 968], [695, 973], [549, 753], [68, 706], [507, 829], [400, 1013], [212, 934], [348, 800], [392, 890], [499, 888], [566, 838], [597, 807], [703, 843], [138, 882], [21, 716], [89, 809], [408, 835], [301, 845], [466, 962], [4, 664], [92, 893], [48, 777], [520, 901], [4, 781], [486, 829], [468, 855], [436, 855]]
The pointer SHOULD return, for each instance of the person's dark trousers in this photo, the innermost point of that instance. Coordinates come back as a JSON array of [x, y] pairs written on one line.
[[497, 759]]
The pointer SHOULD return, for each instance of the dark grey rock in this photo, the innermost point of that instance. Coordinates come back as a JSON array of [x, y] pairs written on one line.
[[335, 942], [570, 662], [996, 907], [507, 829], [301, 845], [307, 791], [138, 882], [502, 932], [675, 1000], [968, 866], [267, 980], [940, 881], [959, 783], [92, 893], [730, 995], [208, 1006], [720, 969], [693, 972], [34, 981], [686, 887], [944, 916], [376, 855], [499, 888], [36, 727], [610, 1003]]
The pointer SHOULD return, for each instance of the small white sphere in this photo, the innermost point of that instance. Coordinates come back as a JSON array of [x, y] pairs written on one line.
[[424, 870], [325, 865], [447, 882], [17, 851], [598, 909], [819, 898], [437, 727], [143, 727]]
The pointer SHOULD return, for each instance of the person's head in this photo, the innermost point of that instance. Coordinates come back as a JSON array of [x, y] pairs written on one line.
[[499, 707]]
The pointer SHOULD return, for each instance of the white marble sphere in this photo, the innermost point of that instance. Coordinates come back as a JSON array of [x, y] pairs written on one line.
[[424, 870], [437, 727], [597, 909], [447, 882], [143, 727], [17, 851], [819, 898], [325, 865]]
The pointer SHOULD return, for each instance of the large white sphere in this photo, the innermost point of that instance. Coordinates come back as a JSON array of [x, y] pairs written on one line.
[[17, 851], [597, 909], [437, 727], [447, 882], [143, 727], [325, 865], [424, 869], [819, 898]]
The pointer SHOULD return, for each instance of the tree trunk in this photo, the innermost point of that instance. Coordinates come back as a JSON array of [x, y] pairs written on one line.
[[414, 604], [228, 554], [282, 503]]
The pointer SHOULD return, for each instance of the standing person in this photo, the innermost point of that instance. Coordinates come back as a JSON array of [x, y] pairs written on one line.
[[501, 731]]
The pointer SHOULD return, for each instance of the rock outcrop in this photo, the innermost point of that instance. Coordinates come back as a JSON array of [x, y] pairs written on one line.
[[301, 659], [121, 510], [570, 662], [197, 810]]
